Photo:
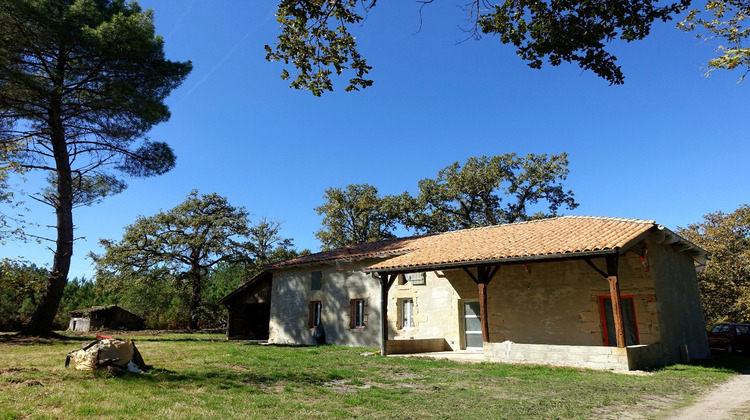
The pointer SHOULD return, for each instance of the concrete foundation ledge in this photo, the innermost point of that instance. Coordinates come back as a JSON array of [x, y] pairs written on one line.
[[419, 345], [591, 357]]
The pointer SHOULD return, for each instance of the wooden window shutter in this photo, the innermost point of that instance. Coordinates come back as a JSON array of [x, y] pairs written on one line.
[[316, 280]]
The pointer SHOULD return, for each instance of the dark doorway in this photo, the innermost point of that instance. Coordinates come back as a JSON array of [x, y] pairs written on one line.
[[250, 321], [628, 320]]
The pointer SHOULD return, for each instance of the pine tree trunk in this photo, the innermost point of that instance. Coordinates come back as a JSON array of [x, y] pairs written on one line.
[[43, 319]]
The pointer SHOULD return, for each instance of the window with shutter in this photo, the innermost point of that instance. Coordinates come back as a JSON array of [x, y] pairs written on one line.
[[416, 279], [317, 280]]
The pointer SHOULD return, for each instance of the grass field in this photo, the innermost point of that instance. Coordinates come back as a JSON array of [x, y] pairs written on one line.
[[204, 376]]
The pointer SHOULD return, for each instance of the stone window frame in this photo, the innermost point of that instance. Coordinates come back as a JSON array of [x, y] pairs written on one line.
[[358, 306], [402, 314], [313, 318]]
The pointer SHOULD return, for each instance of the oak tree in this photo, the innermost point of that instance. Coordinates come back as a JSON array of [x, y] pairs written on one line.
[[488, 191], [353, 215], [316, 39], [316, 36], [725, 21], [725, 280], [186, 242], [81, 83]]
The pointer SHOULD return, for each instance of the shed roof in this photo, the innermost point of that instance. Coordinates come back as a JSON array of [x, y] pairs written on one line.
[[100, 309], [559, 237]]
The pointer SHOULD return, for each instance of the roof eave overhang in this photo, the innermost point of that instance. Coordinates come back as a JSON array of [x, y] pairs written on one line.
[[497, 261], [243, 287]]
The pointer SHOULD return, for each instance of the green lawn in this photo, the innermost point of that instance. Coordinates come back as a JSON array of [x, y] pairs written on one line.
[[204, 376]]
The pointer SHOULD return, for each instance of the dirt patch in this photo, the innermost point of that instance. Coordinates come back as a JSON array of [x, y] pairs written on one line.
[[723, 402], [344, 386], [402, 375], [15, 369], [32, 382]]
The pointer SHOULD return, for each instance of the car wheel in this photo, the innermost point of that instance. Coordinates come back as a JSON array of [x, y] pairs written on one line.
[[730, 349]]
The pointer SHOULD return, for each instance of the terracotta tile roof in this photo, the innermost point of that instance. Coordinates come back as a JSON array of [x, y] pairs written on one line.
[[555, 237], [380, 249], [545, 238]]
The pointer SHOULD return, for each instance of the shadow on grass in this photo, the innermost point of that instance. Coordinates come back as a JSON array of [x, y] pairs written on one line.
[[223, 379], [49, 339], [739, 363], [734, 363]]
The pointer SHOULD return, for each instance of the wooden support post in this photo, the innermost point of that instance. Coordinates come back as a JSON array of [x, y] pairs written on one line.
[[614, 291], [482, 279], [483, 312], [386, 281]]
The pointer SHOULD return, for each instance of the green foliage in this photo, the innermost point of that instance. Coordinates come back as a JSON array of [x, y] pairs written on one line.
[[155, 295], [11, 224], [82, 82], [171, 268], [353, 215], [316, 39], [460, 197], [724, 21], [87, 189], [315, 35], [186, 242], [573, 31], [472, 195], [267, 246], [725, 281], [21, 286]]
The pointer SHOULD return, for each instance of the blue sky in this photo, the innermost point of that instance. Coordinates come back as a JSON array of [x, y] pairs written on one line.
[[669, 145]]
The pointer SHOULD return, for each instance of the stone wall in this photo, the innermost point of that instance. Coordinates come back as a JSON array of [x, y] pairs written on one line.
[[291, 295], [559, 302], [682, 326], [425, 345], [589, 357], [436, 311]]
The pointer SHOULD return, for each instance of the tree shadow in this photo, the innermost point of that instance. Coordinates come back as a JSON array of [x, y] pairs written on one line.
[[728, 362], [51, 338]]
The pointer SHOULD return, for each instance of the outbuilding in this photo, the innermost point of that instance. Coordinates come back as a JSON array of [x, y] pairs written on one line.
[[111, 317]]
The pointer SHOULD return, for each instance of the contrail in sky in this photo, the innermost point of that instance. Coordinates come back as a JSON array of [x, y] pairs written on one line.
[[268, 16]]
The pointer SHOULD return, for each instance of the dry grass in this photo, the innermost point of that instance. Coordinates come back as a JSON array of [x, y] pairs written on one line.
[[204, 376]]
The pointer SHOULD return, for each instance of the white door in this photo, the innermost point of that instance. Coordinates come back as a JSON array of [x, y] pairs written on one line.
[[472, 326]]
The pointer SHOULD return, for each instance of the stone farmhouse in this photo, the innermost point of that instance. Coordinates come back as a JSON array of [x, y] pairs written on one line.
[[595, 292]]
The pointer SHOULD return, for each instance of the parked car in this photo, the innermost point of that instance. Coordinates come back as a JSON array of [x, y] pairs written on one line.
[[730, 337]]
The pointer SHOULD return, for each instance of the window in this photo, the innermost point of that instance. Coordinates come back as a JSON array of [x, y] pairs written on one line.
[[416, 279], [316, 281], [358, 313], [407, 314], [721, 329], [315, 310]]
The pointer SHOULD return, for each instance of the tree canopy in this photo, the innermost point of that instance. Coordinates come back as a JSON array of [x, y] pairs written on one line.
[[483, 191], [725, 281], [81, 84], [488, 191], [315, 36], [723, 21], [186, 241], [353, 215], [186, 244]]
